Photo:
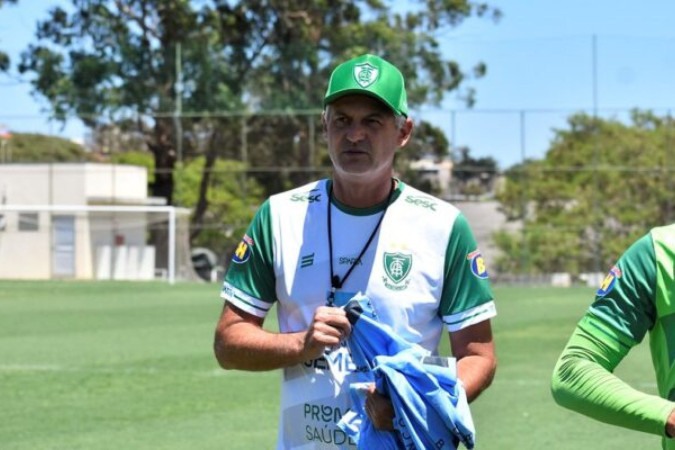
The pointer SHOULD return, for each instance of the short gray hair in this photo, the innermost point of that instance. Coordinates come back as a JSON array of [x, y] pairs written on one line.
[[399, 121]]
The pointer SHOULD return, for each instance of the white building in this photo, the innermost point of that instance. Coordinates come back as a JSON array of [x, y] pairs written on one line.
[[82, 221]]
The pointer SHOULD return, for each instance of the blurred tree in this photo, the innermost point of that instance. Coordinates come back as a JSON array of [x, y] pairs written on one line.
[[31, 147], [221, 227], [222, 78], [429, 142], [602, 184], [4, 57]]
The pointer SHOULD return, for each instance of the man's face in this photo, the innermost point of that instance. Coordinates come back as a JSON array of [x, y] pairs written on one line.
[[362, 135]]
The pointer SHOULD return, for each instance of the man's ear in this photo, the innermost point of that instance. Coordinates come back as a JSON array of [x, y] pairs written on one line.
[[405, 133]]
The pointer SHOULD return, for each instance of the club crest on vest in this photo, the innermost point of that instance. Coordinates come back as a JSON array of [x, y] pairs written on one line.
[[397, 267]]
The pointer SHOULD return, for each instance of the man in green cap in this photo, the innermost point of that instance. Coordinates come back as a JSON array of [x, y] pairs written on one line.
[[362, 233]]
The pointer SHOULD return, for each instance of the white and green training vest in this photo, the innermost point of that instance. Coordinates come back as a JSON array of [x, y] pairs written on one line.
[[422, 271]]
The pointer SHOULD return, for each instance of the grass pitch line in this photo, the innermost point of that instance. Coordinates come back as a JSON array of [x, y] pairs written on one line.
[[32, 368], [13, 368]]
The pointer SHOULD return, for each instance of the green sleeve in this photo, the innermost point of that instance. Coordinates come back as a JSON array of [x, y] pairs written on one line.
[[583, 382], [625, 302], [466, 284], [252, 267]]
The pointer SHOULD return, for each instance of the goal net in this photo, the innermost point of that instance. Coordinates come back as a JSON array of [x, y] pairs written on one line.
[[95, 242]]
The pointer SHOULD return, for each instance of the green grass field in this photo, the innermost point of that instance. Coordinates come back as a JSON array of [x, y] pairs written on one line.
[[130, 366]]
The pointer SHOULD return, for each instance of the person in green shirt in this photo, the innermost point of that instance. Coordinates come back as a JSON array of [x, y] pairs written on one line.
[[636, 297]]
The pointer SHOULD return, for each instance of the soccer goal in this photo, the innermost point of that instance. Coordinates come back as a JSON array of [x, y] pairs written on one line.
[[106, 242]]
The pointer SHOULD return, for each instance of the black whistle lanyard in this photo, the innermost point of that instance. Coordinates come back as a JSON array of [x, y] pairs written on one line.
[[335, 281]]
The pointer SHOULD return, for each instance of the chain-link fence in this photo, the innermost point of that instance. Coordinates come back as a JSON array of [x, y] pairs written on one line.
[[540, 213]]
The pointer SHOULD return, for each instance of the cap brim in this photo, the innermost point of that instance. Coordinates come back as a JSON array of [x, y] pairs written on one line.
[[336, 95]]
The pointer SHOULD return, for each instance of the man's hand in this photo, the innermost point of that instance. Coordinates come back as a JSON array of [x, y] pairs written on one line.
[[380, 410], [328, 328], [670, 425]]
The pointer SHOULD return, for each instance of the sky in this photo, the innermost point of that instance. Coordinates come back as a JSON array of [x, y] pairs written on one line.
[[545, 61]]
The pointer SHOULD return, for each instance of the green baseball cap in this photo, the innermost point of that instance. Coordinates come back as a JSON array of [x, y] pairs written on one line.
[[369, 75]]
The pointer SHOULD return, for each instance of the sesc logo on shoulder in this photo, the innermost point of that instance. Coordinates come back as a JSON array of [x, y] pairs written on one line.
[[477, 264], [424, 202], [243, 251], [609, 281], [309, 196]]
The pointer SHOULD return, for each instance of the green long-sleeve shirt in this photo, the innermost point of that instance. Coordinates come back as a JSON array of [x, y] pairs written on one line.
[[634, 299]]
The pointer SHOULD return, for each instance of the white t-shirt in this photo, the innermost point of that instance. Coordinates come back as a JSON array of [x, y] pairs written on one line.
[[422, 270]]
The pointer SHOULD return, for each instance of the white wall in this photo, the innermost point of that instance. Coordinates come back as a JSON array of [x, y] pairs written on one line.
[[25, 254], [28, 254], [116, 182], [24, 184], [71, 184]]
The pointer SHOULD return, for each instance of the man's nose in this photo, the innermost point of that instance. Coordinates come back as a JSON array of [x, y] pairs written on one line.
[[356, 133]]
